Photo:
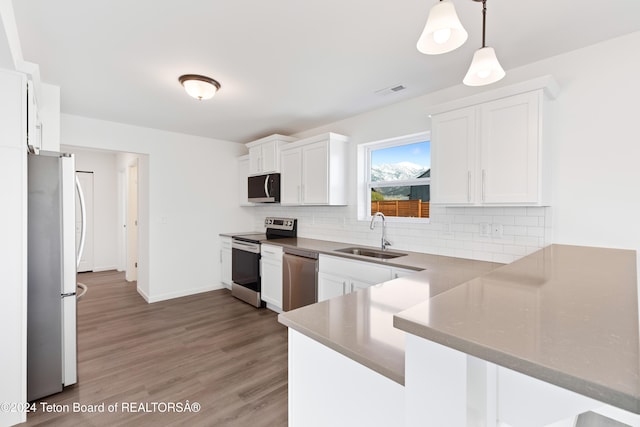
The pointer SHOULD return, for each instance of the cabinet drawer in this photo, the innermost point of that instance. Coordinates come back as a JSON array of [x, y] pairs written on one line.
[[225, 242], [271, 252], [361, 270]]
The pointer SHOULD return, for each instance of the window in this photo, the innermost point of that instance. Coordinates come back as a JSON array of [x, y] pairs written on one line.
[[395, 177]]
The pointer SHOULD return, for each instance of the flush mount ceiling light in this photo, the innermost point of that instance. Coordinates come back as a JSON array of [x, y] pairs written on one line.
[[199, 87], [444, 33]]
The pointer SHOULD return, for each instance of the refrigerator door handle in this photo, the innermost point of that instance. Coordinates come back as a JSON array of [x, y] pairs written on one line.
[[83, 214]]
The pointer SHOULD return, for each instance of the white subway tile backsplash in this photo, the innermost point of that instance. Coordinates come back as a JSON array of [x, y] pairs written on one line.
[[504, 219], [503, 258], [535, 211], [527, 220], [452, 231], [535, 231], [477, 219], [528, 241], [513, 230]]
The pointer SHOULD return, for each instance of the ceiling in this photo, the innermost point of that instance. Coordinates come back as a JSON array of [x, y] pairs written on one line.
[[285, 65]]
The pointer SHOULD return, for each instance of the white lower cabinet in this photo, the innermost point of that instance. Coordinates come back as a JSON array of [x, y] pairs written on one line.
[[397, 272], [327, 388], [340, 276], [330, 286], [225, 261], [271, 276]]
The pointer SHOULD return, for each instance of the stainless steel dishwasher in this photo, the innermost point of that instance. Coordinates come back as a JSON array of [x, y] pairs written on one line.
[[299, 278]]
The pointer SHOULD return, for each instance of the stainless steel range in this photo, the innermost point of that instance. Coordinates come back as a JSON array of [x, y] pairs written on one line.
[[245, 258]]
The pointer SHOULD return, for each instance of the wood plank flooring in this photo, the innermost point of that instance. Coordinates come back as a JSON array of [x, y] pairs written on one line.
[[208, 348]]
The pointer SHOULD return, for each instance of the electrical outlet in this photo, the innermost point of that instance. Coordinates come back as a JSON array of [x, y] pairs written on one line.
[[485, 229], [496, 230], [446, 228]]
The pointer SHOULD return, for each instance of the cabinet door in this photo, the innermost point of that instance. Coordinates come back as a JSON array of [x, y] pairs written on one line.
[[510, 149], [255, 160], [290, 176], [225, 261], [330, 286], [270, 160], [243, 174], [355, 285], [453, 157], [401, 272], [315, 173], [271, 282]]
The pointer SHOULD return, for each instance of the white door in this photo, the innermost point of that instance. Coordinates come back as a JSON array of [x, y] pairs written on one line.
[[132, 225], [86, 182]]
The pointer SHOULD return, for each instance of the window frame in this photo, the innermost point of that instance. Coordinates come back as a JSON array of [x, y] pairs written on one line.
[[364, 175]]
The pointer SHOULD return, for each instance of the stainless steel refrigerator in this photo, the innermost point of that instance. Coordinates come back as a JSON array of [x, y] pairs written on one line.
[[51, 279]]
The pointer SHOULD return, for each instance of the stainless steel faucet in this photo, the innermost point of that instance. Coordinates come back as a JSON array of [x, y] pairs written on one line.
[[383, 242]]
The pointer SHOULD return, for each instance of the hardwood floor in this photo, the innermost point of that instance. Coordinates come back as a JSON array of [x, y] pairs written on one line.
[[208, 348]]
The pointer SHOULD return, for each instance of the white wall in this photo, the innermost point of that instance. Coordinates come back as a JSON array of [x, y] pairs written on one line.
[[13, 244], [593, 135], [49, 114], [105, 203], [185, 201]]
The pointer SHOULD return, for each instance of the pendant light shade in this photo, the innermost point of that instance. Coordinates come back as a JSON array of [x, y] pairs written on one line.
[[485, 68], [199, 87], [443, 31]]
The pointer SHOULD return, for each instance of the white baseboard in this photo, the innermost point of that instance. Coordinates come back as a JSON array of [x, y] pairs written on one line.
[[181, 293], [142, 294], [107, 268]]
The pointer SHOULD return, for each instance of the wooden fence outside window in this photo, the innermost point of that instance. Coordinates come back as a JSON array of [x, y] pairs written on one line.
[[405, 208]]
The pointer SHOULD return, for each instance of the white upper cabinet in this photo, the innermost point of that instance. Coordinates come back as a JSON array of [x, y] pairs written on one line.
[[510, 149], [491, 153], [453, 156], [264, 154], [243, 174], [291, 176], [313, 171]]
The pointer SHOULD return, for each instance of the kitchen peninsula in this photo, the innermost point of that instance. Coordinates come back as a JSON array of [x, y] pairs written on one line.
[[535, 342]]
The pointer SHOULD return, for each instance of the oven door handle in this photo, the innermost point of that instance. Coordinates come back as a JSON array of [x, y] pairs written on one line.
[[247, 247]]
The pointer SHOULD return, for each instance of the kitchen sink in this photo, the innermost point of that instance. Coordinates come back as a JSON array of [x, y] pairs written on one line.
[[371, 253]]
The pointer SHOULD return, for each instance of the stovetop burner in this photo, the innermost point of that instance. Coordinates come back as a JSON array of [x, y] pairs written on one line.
[[276, 228]]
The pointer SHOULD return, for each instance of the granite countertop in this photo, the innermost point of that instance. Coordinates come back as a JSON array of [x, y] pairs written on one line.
[[567, 315], [360, 324], [412, 260]]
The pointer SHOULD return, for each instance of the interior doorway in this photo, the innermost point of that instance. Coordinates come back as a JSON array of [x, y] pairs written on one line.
[[132, 223]]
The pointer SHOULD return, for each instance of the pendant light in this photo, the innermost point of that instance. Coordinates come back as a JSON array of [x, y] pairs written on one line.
[[199, 87], [443, 31], [485, 68]]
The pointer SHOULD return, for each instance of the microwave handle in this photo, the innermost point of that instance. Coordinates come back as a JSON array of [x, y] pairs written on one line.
[[266, 185]]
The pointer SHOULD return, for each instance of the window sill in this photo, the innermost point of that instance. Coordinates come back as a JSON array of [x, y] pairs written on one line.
[[400, 220]]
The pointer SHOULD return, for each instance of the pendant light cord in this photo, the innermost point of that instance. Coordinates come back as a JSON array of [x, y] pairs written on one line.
[[484, 21]]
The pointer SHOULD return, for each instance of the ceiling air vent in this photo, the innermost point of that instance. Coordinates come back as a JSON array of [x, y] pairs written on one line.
[[390, 90]]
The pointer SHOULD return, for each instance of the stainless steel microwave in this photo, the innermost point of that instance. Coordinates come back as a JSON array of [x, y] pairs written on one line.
[[264, 188]]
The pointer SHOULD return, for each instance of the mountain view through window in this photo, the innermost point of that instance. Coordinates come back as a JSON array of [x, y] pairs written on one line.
[[399, 180]]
